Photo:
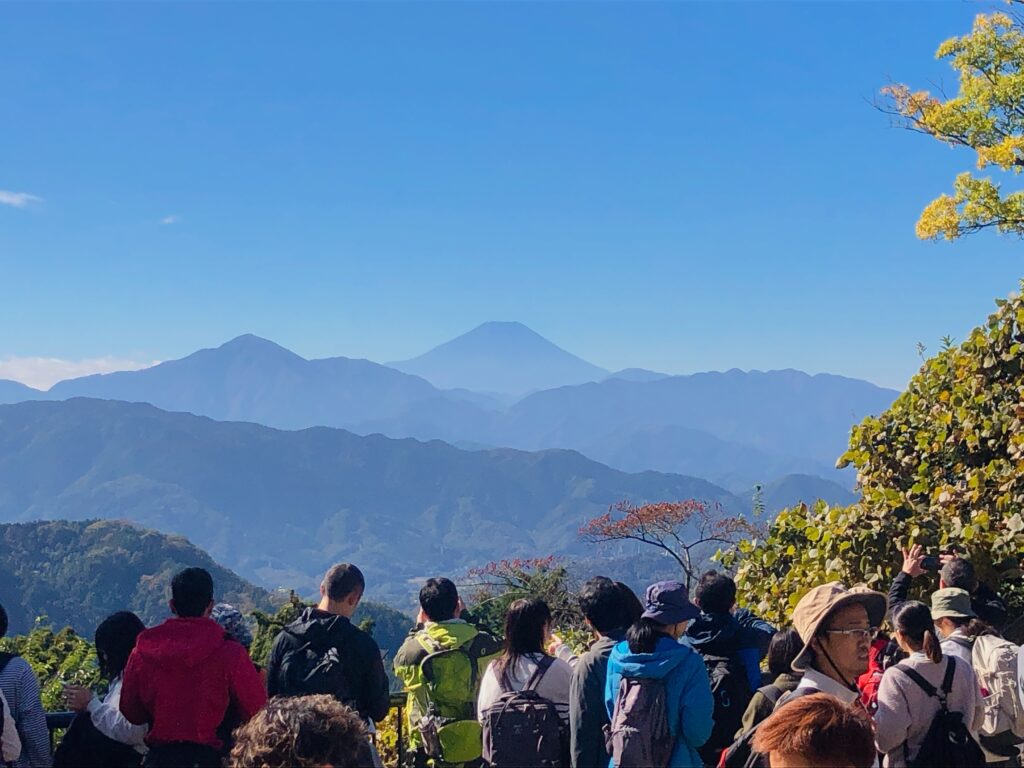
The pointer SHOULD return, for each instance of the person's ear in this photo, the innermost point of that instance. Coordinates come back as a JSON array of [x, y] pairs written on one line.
[[459, 608], [209, 610], [170, 606]]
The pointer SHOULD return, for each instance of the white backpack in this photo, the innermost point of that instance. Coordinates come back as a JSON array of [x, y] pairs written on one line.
[[995, 664]]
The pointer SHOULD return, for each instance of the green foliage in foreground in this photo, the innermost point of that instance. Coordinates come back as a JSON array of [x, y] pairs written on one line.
[[57, 658], [944, 467]]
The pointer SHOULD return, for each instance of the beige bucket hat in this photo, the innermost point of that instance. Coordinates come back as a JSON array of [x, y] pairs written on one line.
[[821, 602]]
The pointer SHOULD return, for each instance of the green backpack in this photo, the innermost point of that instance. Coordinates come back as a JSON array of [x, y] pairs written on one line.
[[451, 733]]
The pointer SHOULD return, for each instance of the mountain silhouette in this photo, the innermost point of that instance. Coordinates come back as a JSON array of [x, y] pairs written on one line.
[[501, 357], [252, 379], [279, 507], [16, 392]]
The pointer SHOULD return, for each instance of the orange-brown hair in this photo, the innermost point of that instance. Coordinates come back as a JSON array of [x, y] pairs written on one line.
[[301, 732], [821, 729]]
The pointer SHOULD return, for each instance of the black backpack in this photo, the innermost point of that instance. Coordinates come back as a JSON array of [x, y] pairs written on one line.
[[948, 742], [314, 667], [730, 687], [83, 746], [522, 729], [741, 754]]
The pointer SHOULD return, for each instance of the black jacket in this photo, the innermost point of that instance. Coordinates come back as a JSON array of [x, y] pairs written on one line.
[[367, 682], [741, 636], [984, 601]]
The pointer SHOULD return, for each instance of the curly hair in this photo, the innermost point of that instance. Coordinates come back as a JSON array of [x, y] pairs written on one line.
[[821, 729], [301, 732]]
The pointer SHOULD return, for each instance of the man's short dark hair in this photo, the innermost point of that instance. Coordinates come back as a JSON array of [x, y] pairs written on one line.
[[342, 580], [3, 622], [959, 573], [601, 601], [716, 593], [192, 592], [439, 598]]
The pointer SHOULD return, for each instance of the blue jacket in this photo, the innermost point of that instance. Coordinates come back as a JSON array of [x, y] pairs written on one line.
[[690, 704]]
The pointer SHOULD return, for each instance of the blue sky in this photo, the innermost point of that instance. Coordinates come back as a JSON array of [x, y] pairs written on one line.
[[681, 186]]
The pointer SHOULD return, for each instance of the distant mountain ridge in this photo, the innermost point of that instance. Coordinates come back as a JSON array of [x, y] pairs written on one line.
[[279, 507], [734, 428], [502, 357]]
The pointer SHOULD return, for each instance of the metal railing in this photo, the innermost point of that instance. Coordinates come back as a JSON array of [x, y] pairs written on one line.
[[58, 721]]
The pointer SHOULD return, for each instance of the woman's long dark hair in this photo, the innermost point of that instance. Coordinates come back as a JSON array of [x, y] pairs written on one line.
[[914, 621], [115, 639], [782, 651], [524, 633], [973, 628], [644, 635]]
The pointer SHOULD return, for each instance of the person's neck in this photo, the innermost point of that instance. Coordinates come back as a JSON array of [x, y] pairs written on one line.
[[832, 673], [337, 609]]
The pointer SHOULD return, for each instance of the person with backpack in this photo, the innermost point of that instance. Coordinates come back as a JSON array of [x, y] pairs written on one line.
[[732, 647], [24, 705], [100, 735], [657, 696], [523, 704], [10, 743], [323, 652], [441, 665], [816, 731], [836, 625], [782, 652], [184, 676], [609, 609], [929, 705], [994, 661]]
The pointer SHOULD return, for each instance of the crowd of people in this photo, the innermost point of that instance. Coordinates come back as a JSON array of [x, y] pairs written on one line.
[[666, 681]]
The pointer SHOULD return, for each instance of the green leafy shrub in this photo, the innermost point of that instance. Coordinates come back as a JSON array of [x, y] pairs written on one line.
[[943, 466]]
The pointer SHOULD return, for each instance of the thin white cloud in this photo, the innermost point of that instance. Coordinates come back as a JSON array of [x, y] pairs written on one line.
[[170, 219], [44, 372], [18, 199]]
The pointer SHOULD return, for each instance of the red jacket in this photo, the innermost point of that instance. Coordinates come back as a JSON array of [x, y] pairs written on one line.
[[183, 677]]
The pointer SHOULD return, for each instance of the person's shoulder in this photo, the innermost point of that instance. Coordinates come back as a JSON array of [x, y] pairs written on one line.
[[364, 640], [17, 667]]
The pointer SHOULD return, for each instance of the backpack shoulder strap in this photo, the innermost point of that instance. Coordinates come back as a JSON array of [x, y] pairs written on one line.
[[771, 692], [542, 667], [923, 684], [947, 681], [963, 642]]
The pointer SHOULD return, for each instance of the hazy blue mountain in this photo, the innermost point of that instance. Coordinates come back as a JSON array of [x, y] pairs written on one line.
[[252, 379], [637, 374], [784, 413], [501, 357], [279, 506], [16, 392], [792, 489], [686, 451]]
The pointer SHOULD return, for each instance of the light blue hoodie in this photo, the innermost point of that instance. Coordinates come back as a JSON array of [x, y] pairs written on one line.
[[690, 703]]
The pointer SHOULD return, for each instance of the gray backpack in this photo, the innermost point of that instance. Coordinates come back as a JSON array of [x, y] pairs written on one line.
[[639, 735], [522, 728]]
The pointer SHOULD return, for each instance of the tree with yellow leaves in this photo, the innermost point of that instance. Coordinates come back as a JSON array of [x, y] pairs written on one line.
[[986, 115]]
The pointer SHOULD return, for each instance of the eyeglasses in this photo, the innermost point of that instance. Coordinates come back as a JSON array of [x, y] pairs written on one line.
[[861, 634]]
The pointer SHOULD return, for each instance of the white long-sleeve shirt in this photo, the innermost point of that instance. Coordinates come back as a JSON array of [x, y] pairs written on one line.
[[11, 743], [554, 686], [106, 716]]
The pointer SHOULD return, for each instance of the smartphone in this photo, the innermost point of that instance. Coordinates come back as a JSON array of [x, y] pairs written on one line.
[[931, 563]]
